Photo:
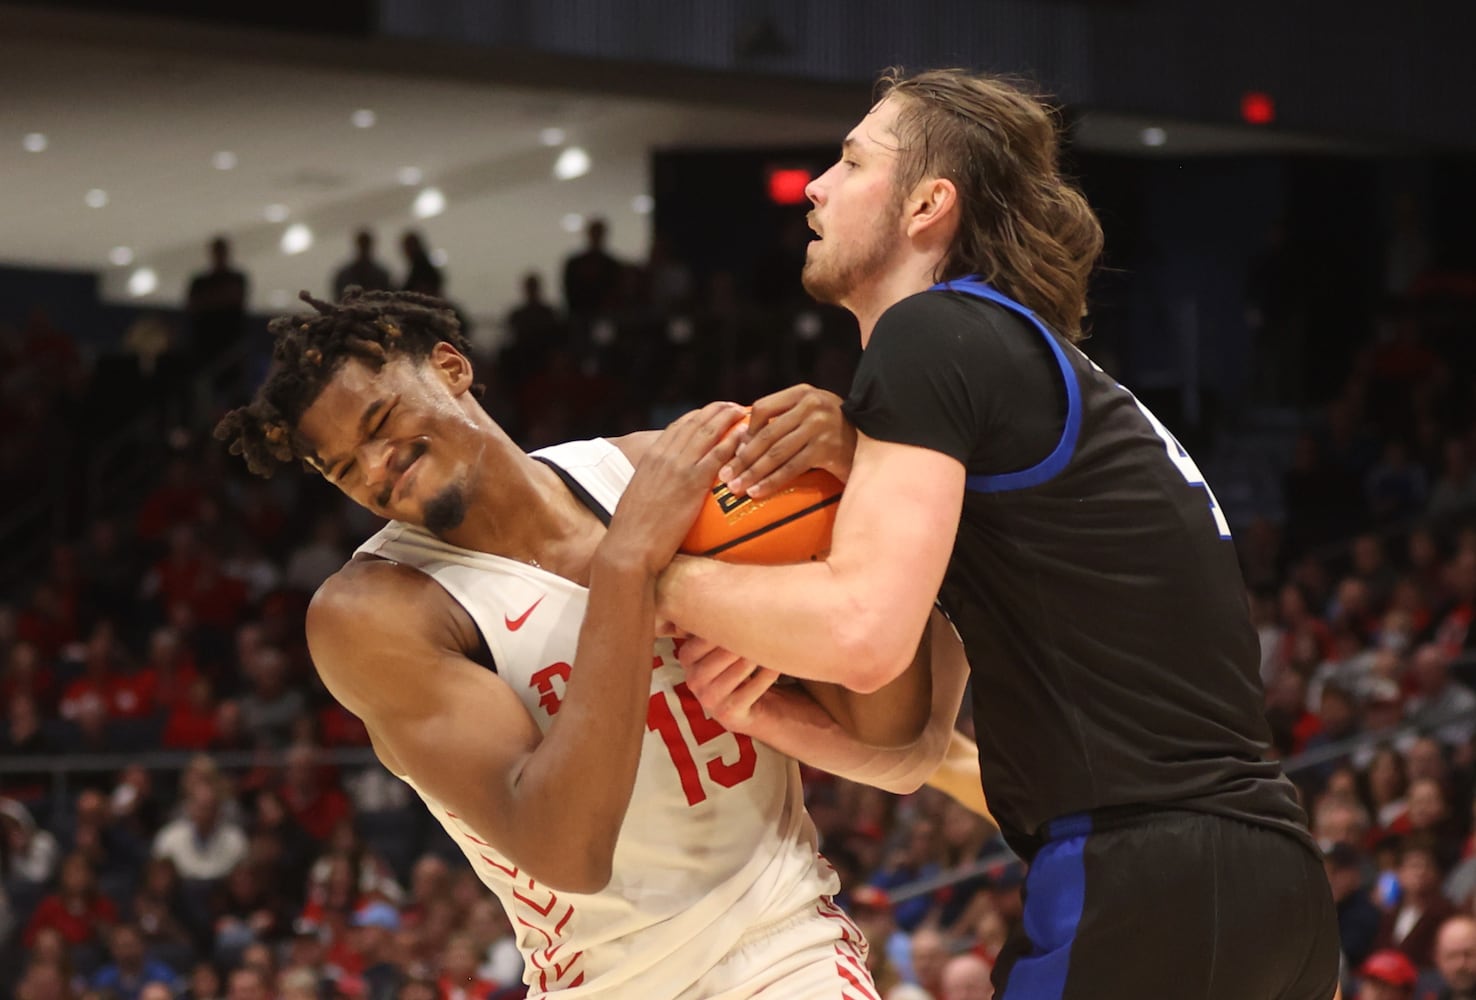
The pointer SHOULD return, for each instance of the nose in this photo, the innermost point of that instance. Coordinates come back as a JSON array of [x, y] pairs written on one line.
[[376, 459], [814, 191]]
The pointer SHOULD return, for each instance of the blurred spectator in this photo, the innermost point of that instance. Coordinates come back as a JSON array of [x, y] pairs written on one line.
[[131, 968], [317, 806], [325, 555], [1396, 486], [363, 270], [422, 275], [203, 845], [1387, 975], [966, 977], [44, 981], [245, 910], [534, 329], [101, 686], [30, 853], [1455, 489], [488, 926], [271, 707], [191, 724], [592, 276], [216, 304], [77, 910], [1412, 926], [927, 956], [373, 941], [917, 858], [1358, 917], [873, 913], [249, 983], [157, 910], [1455, 961], [164, 679], [1438, 704], [204, 984], [459, 977]]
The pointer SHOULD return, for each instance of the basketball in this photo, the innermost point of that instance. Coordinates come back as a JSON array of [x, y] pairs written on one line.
[[791, 526]]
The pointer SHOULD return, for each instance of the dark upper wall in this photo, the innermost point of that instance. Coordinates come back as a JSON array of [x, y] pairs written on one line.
[[1348, 67]]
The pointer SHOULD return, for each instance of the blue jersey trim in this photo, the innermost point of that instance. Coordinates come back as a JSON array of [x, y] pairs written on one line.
[[1054, 463], [1055, 897]]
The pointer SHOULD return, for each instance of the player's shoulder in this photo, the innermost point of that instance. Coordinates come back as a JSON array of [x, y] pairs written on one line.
[[634, 445], [370, 595], [940, 318]]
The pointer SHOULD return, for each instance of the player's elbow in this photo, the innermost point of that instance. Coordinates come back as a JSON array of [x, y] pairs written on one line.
[[584, 869], [870, 660]]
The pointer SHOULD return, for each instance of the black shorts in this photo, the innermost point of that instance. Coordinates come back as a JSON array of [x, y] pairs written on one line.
[[1172, 906]]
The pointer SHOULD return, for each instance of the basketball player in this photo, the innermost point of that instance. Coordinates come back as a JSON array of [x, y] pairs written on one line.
[[496, 640], [1070, 539]]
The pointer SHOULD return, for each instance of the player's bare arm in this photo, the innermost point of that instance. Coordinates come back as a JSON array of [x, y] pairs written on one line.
[[856, 618], [816, 722], [552, 803]]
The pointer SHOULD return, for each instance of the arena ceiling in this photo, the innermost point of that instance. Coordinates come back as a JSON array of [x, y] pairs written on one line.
[[126, 145]]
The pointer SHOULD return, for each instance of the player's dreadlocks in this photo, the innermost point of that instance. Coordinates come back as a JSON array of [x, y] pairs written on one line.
[[370, 326]]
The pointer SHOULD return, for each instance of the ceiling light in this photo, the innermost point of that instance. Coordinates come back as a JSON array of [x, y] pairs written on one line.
[[120, 256], [551, 137], [142, 282], [1153, 136], [429, 202], [224, 160], [572, 223], [276, 212], [642, 204], [296, 238], [572, 162], [96, 198], [34, 142], [439, 257], [410, 176], [363, 118]]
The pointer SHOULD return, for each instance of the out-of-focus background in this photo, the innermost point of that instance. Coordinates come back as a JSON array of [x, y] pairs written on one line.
[[611, 195]]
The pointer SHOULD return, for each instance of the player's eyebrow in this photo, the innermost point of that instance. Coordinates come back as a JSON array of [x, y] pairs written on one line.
[[851, 145], [327, 467]]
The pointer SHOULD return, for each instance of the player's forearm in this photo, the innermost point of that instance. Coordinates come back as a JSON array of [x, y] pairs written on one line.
[[573, 792], [795, 724], [958, 776], [808, 620]]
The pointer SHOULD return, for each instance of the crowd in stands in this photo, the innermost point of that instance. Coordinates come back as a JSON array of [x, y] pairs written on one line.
[[277, 859]]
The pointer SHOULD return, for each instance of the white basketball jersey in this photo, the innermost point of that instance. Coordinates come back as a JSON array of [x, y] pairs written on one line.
[[716, 840]]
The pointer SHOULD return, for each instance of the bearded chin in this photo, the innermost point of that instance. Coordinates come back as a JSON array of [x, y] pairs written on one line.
[[446, 510]]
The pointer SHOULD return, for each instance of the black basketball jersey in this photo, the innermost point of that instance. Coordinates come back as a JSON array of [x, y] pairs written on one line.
[[1093, 580]]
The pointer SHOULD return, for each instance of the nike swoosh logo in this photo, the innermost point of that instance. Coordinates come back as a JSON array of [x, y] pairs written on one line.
[[513, 624]]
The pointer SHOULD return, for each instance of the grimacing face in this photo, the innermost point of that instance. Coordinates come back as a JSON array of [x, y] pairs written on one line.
[[856, 212], [399, 441]]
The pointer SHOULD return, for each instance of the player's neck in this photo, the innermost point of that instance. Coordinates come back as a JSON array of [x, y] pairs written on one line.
[[521, 509], [914, 274]]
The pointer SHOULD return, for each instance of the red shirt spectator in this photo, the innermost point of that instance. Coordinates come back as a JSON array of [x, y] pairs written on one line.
[[192, 724], [317, 806], [76, 910], [176, 501]]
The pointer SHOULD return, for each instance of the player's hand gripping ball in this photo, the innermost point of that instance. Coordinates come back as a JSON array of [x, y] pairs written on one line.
[[791, 526]]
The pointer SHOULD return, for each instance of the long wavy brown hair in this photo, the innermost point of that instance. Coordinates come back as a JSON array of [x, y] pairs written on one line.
[[1022, 227]]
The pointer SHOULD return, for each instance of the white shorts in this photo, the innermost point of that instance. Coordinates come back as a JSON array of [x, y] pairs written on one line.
[[817, 954]]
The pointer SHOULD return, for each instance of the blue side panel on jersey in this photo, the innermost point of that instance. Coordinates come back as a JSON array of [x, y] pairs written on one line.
[[1055, 897], [1053, 463]]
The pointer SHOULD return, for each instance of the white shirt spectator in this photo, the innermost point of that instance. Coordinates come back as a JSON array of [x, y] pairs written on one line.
[[201, 844]]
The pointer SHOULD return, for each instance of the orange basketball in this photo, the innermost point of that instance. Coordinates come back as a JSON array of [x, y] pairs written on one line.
[[791, 526]]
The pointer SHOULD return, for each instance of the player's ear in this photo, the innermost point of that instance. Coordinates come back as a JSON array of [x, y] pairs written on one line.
[[452, 366], [932, 202]]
